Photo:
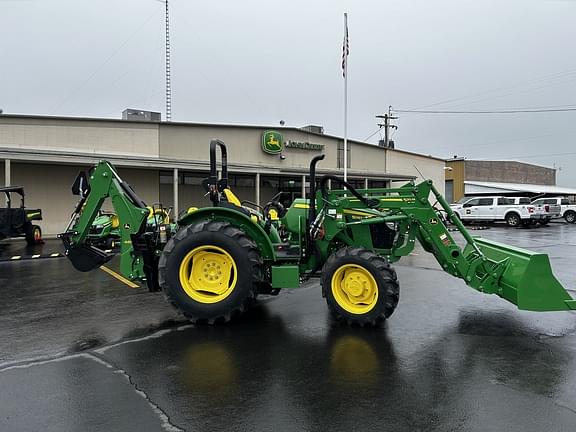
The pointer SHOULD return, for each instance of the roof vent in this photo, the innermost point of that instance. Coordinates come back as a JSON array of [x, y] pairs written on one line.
[[314, 129], [140, 115]]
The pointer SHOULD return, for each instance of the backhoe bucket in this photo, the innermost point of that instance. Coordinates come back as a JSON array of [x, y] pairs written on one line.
[[85, 258], [527, 280]]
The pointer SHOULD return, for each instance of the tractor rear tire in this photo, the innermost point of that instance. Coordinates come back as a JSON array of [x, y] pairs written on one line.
[[360, 287], [33, 235], [210, 271]]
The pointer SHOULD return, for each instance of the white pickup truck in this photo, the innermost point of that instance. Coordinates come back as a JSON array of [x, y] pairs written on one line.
[[567, 210], [549, 211], [497, 208]]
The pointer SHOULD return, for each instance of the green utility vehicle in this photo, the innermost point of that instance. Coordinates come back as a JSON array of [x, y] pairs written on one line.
[[19, 221], [222, 256]]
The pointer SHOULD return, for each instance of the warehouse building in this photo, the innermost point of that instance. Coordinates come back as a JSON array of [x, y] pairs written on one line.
[[474, 177], [166, 162]]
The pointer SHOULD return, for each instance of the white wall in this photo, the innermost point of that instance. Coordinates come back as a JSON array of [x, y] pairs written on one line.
[[99, 137]]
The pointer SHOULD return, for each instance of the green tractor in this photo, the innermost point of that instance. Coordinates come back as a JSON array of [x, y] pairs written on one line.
[[105, 230], [221, 257]]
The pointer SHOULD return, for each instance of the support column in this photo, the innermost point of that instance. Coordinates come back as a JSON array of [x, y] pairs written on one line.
[[7, 173], [303, 186], [257, 189], [366, 183], [175, 192]]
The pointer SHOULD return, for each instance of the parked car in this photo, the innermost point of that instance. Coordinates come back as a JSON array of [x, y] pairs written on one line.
[[496, 208], [567, 209], [17, 221], [548, 211]]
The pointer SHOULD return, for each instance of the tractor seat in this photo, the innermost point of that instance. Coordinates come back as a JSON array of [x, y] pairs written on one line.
[[231, 201]]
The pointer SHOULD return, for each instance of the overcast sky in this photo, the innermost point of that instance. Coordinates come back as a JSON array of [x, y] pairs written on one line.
[[262, 61]]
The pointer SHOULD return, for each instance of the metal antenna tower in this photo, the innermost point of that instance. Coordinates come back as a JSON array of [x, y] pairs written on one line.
[[168, 83]]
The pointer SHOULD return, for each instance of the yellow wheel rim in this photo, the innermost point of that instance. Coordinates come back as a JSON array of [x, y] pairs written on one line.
[[208, 274], [354, 289]]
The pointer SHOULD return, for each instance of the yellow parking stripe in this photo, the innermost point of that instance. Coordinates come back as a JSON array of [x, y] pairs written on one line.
[[119, 277]]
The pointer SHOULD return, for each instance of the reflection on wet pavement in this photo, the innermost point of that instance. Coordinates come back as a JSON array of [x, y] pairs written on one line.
[[448, 359]]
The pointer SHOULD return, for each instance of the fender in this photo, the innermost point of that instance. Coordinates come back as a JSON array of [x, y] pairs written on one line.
[[240, 220]]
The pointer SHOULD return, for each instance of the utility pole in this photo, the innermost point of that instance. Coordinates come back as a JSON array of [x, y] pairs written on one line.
[[387, 125]]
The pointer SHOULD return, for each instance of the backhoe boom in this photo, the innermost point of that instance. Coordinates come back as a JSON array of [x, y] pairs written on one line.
[[136, 250]]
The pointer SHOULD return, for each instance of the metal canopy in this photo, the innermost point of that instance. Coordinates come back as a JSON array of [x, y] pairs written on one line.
[[495, 188]]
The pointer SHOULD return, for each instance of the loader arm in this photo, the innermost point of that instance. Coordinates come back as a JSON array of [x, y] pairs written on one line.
[[520, 276], [137, 247]]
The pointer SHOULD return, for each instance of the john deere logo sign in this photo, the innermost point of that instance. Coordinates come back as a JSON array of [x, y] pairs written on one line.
[[272, 142]]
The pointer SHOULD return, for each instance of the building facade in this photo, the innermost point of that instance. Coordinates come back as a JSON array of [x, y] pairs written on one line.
[[461, 172], [166, 162]]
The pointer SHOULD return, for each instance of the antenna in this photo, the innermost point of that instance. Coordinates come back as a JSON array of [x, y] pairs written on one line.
[[419, 172], [168, 83]]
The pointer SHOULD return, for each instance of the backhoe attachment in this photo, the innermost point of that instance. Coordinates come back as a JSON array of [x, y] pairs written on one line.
[[138, 243]]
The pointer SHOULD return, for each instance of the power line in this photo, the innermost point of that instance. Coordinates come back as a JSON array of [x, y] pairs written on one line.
[[497, 91], [509, 111], [372, 134], [100, 67]]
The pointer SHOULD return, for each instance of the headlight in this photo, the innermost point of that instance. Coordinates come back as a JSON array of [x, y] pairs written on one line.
[[99, 227]]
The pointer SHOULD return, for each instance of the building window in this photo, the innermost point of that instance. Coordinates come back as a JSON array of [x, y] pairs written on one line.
[[194, 179], [356, 183], [166, 177], [378, 184], [236, 180], [341, 155]]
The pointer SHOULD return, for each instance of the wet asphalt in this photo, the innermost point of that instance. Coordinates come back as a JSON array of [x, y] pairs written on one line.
[[83, 352]]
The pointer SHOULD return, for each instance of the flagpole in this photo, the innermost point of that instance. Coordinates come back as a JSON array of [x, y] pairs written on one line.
[[345, 53]]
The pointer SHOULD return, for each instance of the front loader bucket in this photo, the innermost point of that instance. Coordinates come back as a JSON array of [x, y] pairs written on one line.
[[85, 258], [527, 280]]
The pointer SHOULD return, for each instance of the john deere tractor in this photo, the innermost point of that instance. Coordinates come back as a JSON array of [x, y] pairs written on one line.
[[221, 257]]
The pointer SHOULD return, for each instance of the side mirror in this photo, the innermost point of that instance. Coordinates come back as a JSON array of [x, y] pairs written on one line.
[[81, 186], [467, 205]]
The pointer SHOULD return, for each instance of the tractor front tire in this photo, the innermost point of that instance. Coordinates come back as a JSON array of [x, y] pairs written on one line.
[[210, 271], [360, 287], [33, 235]]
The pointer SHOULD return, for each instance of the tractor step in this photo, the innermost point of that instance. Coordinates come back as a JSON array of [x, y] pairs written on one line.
[[287, 251]]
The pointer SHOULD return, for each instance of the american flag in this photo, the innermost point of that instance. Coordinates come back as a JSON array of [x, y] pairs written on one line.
[[345, 47]]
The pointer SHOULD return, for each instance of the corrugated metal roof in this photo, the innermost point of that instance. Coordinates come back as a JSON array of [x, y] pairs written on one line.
[[479, 187]]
